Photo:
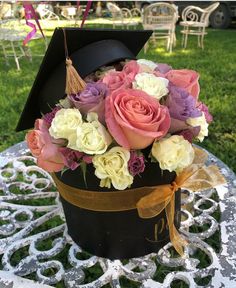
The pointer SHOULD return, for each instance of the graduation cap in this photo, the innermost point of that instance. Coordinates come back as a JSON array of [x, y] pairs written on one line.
[[89, 49]]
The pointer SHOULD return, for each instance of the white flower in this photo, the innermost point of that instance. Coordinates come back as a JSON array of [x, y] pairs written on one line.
[[199, 121], [92, 137], [65, 124], [147, 65], [149, 83], [112, 168], [173, 153]]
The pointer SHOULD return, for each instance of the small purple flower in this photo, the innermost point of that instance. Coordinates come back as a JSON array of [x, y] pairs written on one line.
[[87, 159], [136, 163], [191, 133], [71, 157], [91, 99], [202, 107], [181, 104], [48, 117], [163, 68]]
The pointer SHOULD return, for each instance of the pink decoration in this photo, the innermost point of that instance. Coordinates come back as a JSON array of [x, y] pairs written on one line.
[[86, 12], [30, 14]]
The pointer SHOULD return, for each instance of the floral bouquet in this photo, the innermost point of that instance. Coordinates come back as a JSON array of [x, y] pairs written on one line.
[[116, 116], [130, 124]]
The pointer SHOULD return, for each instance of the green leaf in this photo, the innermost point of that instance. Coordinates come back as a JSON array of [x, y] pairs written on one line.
[[83, 166], [64, 170]]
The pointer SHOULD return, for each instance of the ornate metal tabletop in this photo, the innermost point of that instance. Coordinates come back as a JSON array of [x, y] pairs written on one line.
[[36, 251]]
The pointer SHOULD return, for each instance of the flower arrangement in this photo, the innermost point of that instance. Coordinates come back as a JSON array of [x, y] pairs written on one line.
[[123, 110]]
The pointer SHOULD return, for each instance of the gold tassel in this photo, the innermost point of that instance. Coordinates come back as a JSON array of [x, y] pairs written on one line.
[[74, 83]]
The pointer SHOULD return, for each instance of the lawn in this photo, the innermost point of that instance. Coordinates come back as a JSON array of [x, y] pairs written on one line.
[[216, 65]]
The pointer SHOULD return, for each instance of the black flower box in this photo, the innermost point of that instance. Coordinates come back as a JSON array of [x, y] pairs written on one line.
[[123, 234]]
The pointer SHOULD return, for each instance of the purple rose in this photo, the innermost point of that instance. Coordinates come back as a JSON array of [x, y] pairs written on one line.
[[136, 163], [202, 107], [48, 117], [91, 99], [163, 68], [181, 104]]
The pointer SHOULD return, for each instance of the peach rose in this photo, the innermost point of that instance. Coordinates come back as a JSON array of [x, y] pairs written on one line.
[[40, 144], [135, 119], [186, 79], [116, 80]]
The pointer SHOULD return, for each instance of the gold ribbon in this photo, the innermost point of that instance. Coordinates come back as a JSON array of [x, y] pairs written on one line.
[[149, 201]]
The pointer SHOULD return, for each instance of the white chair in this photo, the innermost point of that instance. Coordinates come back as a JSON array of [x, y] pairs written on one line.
[[12, 35], [47, 14], [121, 17], [195, 21], [69, 12], [135, 12], [161, 17]]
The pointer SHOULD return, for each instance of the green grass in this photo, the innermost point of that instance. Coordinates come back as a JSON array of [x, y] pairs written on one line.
[[216, 65]]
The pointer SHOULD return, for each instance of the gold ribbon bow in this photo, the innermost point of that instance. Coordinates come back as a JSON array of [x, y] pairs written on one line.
[[196, 177], [149, 201]]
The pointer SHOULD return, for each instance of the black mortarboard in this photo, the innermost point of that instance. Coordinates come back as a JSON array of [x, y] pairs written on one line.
[[89, 49]]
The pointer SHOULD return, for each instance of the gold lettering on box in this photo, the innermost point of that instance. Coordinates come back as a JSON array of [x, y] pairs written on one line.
[[160, 226], [158, 229]]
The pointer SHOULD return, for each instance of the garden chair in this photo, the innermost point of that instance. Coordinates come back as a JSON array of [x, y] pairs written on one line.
[[48, 19], [135, 12], [12, 35], [45, 13], [161, 18], [69, 12], [121, 17], [195, 21], [72, 14]]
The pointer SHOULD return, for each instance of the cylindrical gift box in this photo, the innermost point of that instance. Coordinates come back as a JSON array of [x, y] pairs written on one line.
[[117, 234]]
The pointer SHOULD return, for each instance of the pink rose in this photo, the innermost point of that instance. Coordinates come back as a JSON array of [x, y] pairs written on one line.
[[135, 119], [186, 79], [40, 144], [116, 80], [131, 69]]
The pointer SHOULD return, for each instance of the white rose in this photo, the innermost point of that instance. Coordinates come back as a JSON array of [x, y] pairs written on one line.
[[92, 137], [173, 153], [112, 168], [65, 124], [199, 121], [147, 65], [149, 83]]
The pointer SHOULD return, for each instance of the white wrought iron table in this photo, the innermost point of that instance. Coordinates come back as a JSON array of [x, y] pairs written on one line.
[[29, 201]]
